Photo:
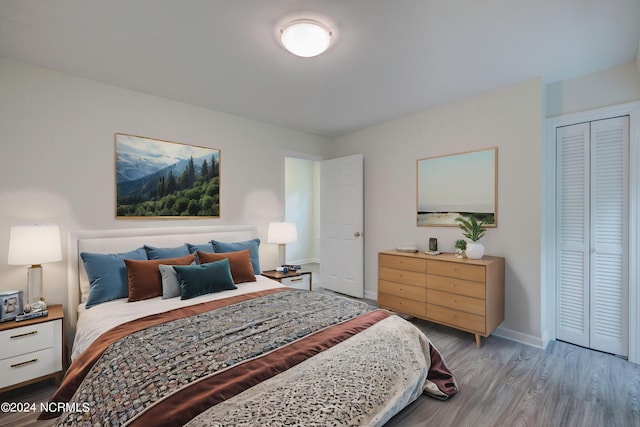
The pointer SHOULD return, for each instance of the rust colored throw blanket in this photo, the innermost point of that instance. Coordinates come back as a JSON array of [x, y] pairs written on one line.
[[229, 361]]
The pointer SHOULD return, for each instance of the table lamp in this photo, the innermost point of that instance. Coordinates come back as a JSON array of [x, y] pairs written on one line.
[[34, 245], [282, 233]]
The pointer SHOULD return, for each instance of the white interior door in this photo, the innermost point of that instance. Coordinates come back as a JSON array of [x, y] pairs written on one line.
[[592, 234], [341, 228], [609, 235], [572, 219]]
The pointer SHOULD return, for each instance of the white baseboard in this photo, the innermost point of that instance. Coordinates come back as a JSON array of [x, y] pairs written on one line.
[[305, 261], [371, 295], [520, 337]]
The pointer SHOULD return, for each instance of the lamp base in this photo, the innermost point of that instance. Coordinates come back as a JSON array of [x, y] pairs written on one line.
[[282, 257], [34, 284]]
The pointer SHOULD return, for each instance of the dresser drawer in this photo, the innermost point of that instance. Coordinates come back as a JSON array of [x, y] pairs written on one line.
[[299, 282], [415, 293], [401, 305], [456, 302], [457, 319], [28, 366], [456, 269], [456, 286], [403, 263], [401, 276], [27, 339]]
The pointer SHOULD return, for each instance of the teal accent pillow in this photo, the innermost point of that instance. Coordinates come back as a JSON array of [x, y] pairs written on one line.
[[107, 275], [164, 253], [204, 247], [252, 245], [196, 280]]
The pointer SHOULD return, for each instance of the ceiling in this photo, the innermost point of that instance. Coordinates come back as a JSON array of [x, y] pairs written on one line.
[[392, 57]]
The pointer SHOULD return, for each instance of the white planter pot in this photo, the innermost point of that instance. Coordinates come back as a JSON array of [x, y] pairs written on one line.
[[474, 250]]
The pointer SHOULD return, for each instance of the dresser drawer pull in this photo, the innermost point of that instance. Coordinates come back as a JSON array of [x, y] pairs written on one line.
[[24, 335], [24, 363], [297, 280]]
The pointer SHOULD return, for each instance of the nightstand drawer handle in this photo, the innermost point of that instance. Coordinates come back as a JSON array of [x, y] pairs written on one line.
[[24, 363], [24, 335], [297, 280]]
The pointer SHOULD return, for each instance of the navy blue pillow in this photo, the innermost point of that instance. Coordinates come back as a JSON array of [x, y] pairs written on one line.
[[196, 280], [252, 245], [164, 253], [204, 247], [107, 275]]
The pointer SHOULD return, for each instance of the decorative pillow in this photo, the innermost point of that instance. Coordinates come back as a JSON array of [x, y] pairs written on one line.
[[170, 283], [252, 245], [165, 253], [196, 280], [107, 275], [239, 262], [204, 247], [144, 278]]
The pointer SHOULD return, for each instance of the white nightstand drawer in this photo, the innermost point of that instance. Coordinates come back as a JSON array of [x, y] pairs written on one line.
[[298, 282], [27, 339], [29, 366]]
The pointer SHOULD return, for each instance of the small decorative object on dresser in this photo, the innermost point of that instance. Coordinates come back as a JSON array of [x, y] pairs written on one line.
[[32, 350], [292, 278], [460, 246], [465, 294]]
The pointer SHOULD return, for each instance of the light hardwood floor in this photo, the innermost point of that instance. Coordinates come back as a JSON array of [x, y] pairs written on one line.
[[510, 384], [501, 384]]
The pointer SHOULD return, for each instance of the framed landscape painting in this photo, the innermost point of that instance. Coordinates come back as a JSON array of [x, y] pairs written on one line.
[[164, 179], [461, 184]]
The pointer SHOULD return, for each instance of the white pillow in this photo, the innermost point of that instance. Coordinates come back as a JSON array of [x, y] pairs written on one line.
[[170, 283]]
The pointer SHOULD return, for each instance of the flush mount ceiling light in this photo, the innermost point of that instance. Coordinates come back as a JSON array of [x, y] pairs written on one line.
[[305, 37]]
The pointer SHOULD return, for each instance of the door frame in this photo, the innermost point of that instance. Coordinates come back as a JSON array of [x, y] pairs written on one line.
[[548, 218]]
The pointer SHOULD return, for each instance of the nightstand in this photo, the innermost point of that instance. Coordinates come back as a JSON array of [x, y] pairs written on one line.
[[297, 279], [32, 350]]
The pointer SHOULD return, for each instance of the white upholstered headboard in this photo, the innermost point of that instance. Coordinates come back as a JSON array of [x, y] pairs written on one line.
[[122, 240]]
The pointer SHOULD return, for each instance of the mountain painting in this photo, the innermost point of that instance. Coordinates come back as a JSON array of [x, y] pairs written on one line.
[[156, 178]]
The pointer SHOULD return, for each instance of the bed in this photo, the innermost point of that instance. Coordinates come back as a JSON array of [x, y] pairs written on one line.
[[231, 347]]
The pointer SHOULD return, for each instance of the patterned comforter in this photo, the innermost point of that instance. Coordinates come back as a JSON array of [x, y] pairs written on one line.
[[276, 357]]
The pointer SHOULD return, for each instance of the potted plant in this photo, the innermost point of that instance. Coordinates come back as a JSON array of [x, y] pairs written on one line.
[[460, 246], [472, 230]]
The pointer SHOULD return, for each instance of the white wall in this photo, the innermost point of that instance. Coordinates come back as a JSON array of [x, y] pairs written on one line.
[[612, 86], [57, 163], [510, 119]]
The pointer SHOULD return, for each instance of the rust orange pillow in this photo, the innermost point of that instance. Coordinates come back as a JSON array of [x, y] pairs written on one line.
[[144, 278], [240, 263]]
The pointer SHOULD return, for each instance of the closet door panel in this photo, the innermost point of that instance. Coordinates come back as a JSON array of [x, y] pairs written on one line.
[[572, 281], [609, 235]]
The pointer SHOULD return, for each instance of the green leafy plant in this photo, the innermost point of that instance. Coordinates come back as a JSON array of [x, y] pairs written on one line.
[[460, 244], [471, 229]]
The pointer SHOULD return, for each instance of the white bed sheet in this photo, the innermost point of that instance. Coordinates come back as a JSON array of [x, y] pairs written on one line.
[[98, 319]]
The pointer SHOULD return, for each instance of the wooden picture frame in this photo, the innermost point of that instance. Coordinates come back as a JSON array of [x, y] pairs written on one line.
[[163, 179], [460, 184]]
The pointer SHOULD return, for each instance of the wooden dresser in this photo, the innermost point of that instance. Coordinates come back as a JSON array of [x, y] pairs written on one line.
[[467, 294]]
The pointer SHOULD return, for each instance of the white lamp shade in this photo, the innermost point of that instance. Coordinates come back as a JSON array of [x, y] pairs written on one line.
[[282, 232], [34, 244], [306, 37]]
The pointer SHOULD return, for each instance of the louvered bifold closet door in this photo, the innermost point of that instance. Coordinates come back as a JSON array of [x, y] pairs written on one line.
[[609, 235], [572, 221]]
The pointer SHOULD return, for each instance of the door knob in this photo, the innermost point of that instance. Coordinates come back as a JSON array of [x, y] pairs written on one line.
[[357, 234]]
